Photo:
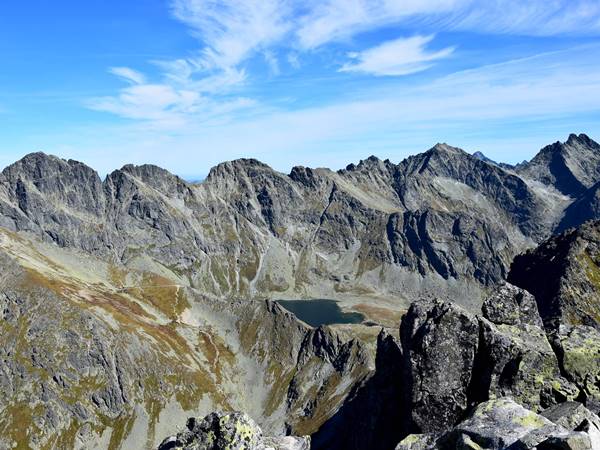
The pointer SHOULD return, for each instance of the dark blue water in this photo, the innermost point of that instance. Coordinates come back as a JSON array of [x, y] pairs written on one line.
[[320, 312]]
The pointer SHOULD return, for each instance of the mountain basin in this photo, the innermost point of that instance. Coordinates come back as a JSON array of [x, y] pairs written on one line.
[[316, 312]]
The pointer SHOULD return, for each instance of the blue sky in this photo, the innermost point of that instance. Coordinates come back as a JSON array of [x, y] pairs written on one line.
[[186, 84]]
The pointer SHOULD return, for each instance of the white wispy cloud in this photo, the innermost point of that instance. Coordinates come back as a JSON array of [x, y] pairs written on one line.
[[174, 103], [534, 17], [332, 20], [210, 80], [154, 102], [466, 109], [232, 30], [272, 61], [128, 74], [401, 56]]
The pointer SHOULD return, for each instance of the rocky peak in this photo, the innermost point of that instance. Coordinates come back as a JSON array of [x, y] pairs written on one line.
[[236, 167], [57, 199], [481, 156], [585, 208], [442, 160], [158, 178], [571, 167], [310, 178], [51, 174], [370, 169], [582, 139]]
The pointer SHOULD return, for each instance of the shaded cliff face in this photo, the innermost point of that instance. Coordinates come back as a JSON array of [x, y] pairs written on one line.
[[584, 208], [563, 274], [443, 222]]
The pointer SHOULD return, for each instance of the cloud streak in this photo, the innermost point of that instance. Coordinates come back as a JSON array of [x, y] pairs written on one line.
[[235, 35], [232, 30], [395, 58], [130, 75], [555, 87]]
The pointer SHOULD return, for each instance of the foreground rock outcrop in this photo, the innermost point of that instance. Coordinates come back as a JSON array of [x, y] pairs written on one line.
[[229, 431], [451, 364], [504, 424]]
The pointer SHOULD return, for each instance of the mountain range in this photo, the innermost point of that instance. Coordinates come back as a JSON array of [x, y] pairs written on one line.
[[130, 303]]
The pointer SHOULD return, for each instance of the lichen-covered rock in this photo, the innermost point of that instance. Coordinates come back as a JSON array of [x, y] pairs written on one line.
[[570, 415], [579, 348], [439, 345], [229, 431], [499, 424], [287, 443], [417, 442], [518, 361], [454, 360], [575, 440], [217, 431], [510, 305]]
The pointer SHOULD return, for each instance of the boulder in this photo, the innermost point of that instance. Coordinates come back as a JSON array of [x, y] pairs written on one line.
[[579, 350], [518, 361], [576, 440], [510, 305], [499, 424], [417, 442], [287, 443], [570, 415], [439, 343], [229, 431]]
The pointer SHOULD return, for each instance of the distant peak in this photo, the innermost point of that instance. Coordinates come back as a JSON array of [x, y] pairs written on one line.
[[371, 163], [39, 164], [442, 147], [582, 139], [150, 173], [232, 168], [242, 162], [480, 156], [39, 156]]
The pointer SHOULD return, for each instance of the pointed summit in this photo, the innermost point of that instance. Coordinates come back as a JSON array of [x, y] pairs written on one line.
[[571, 167]]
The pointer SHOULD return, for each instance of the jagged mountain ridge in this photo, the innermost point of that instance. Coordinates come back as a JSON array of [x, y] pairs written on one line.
[[119, 311], [443, 221]]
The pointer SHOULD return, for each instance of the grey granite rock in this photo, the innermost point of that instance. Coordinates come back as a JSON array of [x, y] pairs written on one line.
[[500, 424], [229, 431]]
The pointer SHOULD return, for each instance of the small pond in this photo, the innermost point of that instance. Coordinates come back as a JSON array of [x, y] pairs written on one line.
[[320, 312]]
